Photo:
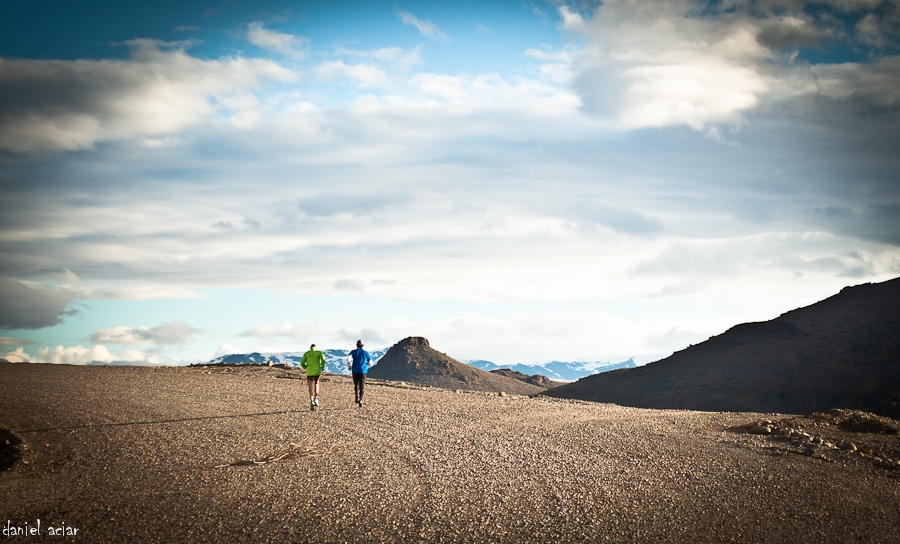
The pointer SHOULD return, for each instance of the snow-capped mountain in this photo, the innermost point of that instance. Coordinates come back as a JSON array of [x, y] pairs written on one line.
[[336, 363], [335, 359], [559, 370]]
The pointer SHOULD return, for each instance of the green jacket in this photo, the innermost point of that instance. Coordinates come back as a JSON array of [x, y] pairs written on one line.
[[313, 362]]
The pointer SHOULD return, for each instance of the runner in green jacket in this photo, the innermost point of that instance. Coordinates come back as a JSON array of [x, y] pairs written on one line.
[[313, 362]]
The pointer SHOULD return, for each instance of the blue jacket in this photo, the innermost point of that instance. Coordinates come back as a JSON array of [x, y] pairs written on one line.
[[361, 359]]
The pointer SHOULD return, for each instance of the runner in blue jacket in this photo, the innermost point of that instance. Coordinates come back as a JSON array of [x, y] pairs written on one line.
[[359, 369]]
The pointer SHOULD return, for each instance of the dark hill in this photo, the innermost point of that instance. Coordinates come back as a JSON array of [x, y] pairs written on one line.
[[534, 379], [842, 352], [413, 360]]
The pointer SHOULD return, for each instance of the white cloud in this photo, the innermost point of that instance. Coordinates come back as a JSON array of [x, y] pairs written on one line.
[[350, 336], [648, 65], [879, 28], [663, 63], [99, 354], [792, 30], [738, 256], [570, 19], [133, 356], [548, 53], [486, 92], [17, 355], [159, 90], [355, 286], [620, 220], [366, 75], [75, 355], [524, 337], [534, 9], [279, 42], [9, 341], [227, 349], [174, 332], [870, 87], [477, 189], [299, 333], [402, 59], [556, 64], [675, 339], [426, 28]]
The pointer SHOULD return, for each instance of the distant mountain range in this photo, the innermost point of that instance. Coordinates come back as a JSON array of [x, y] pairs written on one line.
[[842, 352], [335, 363], [558, 370], [335, 359]]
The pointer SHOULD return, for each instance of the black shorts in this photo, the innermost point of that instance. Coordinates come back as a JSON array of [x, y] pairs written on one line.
[[313, 378]]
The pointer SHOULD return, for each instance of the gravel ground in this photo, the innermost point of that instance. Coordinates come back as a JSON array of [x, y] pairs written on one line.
[[136, 454]]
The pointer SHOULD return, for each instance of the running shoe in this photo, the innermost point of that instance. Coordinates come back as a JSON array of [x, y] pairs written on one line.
[[316, 401]]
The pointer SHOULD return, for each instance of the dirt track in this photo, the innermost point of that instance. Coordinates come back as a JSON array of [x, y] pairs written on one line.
[[131, 454]]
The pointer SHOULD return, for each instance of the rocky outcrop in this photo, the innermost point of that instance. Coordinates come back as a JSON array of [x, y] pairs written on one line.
[[10, 449], [535, 379]]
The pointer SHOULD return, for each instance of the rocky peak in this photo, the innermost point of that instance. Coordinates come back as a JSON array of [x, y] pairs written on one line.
[[413, 341], [414, 360]]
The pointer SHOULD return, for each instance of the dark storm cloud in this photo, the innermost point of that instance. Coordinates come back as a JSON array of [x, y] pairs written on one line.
[[26, 307], [879, 222]]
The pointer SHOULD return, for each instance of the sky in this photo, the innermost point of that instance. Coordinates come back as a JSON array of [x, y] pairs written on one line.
[[516, 181]]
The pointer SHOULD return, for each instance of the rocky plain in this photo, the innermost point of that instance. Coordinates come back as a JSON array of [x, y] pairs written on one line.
[[233, 454]]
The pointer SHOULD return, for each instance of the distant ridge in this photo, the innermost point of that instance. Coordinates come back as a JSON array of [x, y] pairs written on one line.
[[842, 352], [413, 360], [335, 359], [534, 379], [557, 370]]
